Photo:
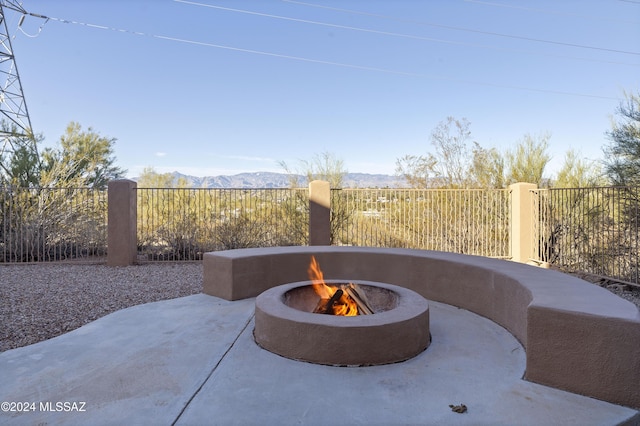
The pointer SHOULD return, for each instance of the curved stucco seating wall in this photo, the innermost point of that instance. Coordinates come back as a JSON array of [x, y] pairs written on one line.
[[578, 337]]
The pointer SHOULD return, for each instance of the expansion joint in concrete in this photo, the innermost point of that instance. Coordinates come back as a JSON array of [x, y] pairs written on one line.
[[215, 367]]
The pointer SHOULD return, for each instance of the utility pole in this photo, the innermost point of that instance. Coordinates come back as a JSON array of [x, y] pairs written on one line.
[[15, 124]]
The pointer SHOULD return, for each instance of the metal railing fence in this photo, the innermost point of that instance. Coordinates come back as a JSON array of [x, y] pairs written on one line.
[[181, 224], [469, 221], [46, 224], [591, 230], [184, 223]]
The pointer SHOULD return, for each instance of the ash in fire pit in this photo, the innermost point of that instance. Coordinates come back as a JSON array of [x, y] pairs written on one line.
[[397, 329]]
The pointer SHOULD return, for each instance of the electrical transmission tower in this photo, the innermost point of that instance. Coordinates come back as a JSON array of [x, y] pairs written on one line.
[[15, 125]]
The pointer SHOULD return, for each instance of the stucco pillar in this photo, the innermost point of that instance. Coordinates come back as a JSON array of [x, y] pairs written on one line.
[[522, 226], [319, 213], [122, 223]]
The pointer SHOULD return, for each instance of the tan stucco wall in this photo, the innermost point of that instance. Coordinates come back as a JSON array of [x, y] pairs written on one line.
[[522, 225], [122, 223], [319, 213], [578, 337]]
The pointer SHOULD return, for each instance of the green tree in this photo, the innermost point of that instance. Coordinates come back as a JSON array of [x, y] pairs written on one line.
[[417, 170], [487, 168], [83, 158], [449, 166], [149, 178], [324, 166], [622, 164], [23, 168], [450, 139], [329, 168], [19, 159], [52, 214], [577, 172], [526, 163]]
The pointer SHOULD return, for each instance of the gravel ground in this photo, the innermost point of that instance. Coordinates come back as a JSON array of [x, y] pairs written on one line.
[[41, 301]]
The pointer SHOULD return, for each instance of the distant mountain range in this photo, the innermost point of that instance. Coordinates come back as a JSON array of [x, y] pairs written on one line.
[[281, 180]]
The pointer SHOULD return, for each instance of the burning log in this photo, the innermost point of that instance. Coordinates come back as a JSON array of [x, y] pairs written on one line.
[[348, 300], [352, 292], [325, 306], [321, 307], [360, 298], [336, 296]]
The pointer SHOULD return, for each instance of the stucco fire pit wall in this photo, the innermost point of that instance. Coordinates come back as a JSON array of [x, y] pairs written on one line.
[[397, 331], [578, 337]]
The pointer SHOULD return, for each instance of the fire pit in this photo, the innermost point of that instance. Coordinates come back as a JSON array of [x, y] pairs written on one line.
[[292, 321]]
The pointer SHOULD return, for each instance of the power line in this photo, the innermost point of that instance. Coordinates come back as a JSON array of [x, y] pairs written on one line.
[[470, 30], [324, 62], [550, 12], [395, 34]]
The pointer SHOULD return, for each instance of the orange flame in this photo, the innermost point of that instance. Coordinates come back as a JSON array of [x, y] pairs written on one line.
[[344, 306], [317, 280]]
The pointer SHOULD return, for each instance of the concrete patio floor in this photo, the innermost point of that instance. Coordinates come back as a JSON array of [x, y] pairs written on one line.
[[193, 361]]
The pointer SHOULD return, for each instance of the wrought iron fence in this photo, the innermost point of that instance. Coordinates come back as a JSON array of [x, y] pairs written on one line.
[[184, 223], [466, 221], [45, 224], [592, 230]]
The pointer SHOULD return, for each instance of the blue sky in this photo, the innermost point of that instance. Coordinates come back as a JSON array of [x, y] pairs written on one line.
[[212, 87]]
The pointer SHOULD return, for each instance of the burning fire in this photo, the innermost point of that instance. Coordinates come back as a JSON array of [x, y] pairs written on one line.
[[344, 300]]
